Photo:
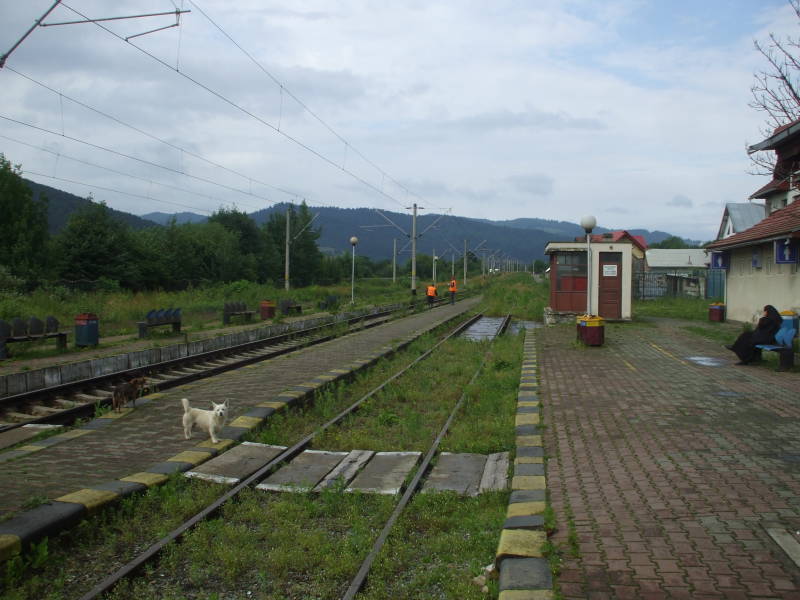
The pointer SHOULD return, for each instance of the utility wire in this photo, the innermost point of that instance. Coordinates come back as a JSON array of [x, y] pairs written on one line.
[[285, 89], [141, 160], [233, 104], [107, 189], [145, 179], [151, 135]]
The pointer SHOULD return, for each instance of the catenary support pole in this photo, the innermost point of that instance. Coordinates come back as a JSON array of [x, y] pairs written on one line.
[[288, 239], [414, 251]]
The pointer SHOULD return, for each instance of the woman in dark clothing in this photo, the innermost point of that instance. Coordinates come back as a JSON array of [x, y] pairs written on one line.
[[764, 333]]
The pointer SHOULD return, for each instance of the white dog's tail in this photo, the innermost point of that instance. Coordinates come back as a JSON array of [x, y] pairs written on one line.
[[185, 402]]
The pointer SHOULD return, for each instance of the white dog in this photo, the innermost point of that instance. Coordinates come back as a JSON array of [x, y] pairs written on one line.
[[211, 420]]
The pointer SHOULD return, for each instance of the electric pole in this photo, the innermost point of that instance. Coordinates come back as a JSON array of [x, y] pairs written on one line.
[[288, 239], [465, 264], [414, 251], [394, 260]]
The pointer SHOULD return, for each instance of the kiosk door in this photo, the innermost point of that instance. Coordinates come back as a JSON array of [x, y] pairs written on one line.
[[610, 291]]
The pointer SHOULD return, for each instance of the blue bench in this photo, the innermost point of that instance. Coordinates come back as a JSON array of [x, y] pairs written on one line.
[[783, 344]]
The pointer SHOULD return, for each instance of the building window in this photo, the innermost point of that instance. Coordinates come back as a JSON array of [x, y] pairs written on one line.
[[571, 272]]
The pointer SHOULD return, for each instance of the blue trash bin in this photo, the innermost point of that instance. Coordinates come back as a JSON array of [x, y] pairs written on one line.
[[87, 330]]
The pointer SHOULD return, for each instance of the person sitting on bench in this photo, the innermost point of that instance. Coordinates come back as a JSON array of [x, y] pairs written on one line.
[[764, 333]]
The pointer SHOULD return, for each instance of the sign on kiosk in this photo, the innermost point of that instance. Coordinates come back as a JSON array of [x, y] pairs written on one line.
[[609, 270]]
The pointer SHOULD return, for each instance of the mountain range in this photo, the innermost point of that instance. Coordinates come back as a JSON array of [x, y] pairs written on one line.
[[524, 238]]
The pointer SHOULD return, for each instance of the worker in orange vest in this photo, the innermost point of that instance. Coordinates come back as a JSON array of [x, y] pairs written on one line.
[[453, 289], [431, 293]]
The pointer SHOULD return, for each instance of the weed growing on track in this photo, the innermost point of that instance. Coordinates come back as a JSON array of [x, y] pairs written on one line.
[[408, 414], [518, 294], [68, 565], [437, 546], [269, 545], [486, 422]]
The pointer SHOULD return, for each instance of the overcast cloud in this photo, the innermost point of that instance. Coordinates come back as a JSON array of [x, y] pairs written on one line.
[[632, 110]]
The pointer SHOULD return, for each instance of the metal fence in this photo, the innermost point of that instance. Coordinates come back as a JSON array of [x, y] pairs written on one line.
[[650, 285]]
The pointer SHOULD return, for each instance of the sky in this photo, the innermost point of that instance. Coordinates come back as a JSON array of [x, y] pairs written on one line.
[[634, 111]]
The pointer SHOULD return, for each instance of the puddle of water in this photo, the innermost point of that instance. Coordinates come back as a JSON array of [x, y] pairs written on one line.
[[517, 326], [706, 361]]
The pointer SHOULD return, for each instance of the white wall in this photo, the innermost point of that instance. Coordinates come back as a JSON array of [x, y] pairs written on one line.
[[749, 288]]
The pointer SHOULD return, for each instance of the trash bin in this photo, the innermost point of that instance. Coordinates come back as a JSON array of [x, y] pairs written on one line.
[[716, 312], [267, 309], [591, 330], [87, 330]]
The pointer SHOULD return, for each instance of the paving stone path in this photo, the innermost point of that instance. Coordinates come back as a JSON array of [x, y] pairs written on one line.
[[153, 431], [669, 470]]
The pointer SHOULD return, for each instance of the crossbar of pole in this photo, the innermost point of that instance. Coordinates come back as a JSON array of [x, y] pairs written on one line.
[[175, 12], [36, 23]]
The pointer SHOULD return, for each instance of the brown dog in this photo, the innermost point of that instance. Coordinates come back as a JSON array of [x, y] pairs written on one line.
[[127, 392]]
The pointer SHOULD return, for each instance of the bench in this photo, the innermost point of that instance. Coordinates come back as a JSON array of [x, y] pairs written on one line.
[[157, 318], [289, 307], [30, 331], [783, 344], [329, 303], [236, 309]]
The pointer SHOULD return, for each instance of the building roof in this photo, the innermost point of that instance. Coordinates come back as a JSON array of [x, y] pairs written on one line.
[[620, 235], [784, 222], [683, 258], [779, 135], [742, 215], [776, 185]]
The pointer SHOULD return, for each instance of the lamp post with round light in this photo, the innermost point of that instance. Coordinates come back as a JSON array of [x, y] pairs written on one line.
[[353, 242], [588, 223]]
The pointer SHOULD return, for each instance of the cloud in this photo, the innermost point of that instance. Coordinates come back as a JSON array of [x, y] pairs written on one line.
[[538, 185], [681, 201]]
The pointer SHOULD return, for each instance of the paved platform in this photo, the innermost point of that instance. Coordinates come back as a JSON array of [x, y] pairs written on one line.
[[135, 442], [669, 468]]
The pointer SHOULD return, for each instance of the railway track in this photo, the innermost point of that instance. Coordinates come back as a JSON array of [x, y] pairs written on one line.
[[64, 404], [150, 554]]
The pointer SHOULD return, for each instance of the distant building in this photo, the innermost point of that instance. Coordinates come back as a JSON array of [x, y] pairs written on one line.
[[684, 261], [740, 216], [761, 261]]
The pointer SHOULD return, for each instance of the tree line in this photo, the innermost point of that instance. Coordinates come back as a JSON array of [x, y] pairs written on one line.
[[230, 246]]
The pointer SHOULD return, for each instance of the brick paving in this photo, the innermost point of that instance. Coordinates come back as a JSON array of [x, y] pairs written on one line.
[[668, 470], [153, 432]]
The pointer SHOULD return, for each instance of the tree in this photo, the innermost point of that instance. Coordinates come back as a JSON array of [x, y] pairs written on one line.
[[95, 245], [671, 243], [539, 266], [776, 89], [23, 242]]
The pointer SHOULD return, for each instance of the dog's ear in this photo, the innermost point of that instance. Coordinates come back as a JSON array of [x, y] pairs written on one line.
[[226, 403]]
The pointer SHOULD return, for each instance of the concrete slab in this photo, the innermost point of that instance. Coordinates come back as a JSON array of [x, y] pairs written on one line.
[[385, 473], [236, 464], [347, 469], [495, 475], [460, 473], [304, 472], [20, 434]]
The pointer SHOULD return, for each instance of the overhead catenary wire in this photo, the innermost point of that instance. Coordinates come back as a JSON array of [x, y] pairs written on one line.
[[243, 110], [107, 189], [152, 136], [136, 158], [284, 89], [90, 164]]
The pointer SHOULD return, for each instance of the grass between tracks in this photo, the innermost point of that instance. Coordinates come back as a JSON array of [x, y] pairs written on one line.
[[303, 545]]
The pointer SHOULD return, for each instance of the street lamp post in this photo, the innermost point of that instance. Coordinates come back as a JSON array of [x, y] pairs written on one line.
[[588, 223], [353, 242]]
